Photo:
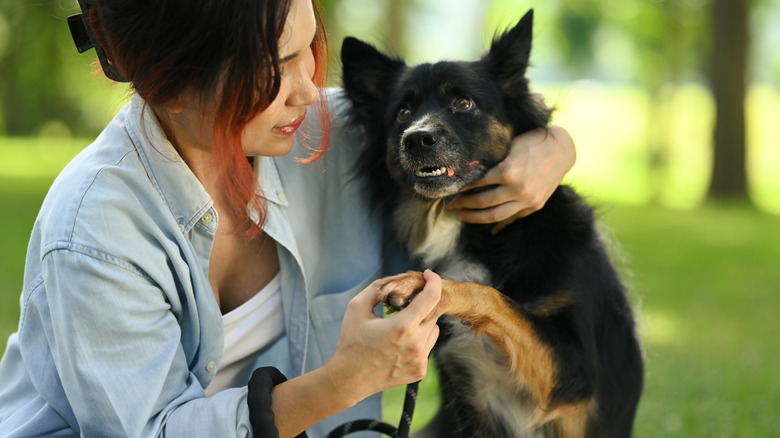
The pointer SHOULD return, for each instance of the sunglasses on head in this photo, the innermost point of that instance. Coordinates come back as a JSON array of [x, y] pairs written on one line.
[[85, 39]]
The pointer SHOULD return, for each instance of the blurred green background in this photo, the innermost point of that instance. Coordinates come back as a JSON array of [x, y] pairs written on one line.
[[675, 109]]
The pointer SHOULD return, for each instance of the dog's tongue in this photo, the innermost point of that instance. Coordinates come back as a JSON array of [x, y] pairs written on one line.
[[450, 172]]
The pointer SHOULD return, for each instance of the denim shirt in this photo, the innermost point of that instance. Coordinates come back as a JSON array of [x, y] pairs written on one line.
[[120, 331]]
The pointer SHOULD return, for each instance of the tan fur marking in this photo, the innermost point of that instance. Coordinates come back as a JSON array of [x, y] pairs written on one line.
[[501, 136], [572, 420], [548, 306], [569, 420], [488, 313]]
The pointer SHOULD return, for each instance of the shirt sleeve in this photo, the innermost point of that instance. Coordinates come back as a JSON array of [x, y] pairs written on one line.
[[114, 362]]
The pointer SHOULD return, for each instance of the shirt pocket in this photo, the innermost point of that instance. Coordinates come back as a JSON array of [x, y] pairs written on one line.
[[327, 312]]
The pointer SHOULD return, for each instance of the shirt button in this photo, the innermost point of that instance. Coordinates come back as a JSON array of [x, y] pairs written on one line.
[[207, 218], [281, 197], [210, 366], [181, 227]]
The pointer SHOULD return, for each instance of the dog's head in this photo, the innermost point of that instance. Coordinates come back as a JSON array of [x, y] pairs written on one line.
[[438, 128]]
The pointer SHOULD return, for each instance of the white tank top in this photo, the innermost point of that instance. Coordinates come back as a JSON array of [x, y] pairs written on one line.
[[248, 328]]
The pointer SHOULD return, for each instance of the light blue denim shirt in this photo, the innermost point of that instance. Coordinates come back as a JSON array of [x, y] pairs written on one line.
[[119, 330]]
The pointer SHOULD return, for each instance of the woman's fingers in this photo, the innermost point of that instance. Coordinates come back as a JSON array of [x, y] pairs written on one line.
[[424, 305], [523, 181]]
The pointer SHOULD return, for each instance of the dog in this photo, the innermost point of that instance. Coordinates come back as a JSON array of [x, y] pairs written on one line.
[[538, 338]]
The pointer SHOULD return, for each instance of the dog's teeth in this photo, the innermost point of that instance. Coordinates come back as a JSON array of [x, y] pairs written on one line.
[[437, 172]]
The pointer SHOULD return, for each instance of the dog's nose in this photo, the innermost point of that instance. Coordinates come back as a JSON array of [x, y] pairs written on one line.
[[419, 138]]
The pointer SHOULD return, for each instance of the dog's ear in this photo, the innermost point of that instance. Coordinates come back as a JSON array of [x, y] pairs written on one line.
[[366, 72], [368, 76], [509, 55], [508, 59]]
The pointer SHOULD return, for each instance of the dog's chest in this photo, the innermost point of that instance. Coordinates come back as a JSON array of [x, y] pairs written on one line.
[[432, 235]]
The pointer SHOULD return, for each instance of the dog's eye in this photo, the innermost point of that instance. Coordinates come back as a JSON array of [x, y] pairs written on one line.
[[464, 104], [404, 114]]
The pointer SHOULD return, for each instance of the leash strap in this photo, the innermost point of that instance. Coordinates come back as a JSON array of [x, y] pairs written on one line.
[[410, 399]]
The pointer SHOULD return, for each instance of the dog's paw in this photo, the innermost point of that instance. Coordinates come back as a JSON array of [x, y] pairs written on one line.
[[399, 290]]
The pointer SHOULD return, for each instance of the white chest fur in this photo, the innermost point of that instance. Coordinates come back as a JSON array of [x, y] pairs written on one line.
[[431, 233]]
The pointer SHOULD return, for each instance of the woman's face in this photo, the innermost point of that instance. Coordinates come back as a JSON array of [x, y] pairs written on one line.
[[271, 132]]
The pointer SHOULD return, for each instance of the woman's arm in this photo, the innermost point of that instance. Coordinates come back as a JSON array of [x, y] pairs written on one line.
[[109, 354], [537, 162]]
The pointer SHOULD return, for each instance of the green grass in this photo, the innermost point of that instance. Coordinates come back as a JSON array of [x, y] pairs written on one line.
[[19, 204], [28, 159], [27, 168], [708, 285]]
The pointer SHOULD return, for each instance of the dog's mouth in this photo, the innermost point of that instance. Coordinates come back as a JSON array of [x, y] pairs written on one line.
[[425, 172], [440, 180], [433, 172]]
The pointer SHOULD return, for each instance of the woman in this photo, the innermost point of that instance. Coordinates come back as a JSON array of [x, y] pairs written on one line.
[[162, 295]]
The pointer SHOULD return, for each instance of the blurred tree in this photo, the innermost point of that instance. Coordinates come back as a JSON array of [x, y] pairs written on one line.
[[328, 12], [382, 22], [578, 22], [671, 39], [654, 43], [669, 36], [396, 23], [33, 82], [729, 81]]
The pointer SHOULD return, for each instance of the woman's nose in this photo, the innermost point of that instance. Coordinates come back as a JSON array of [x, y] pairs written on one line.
[[304, 91]]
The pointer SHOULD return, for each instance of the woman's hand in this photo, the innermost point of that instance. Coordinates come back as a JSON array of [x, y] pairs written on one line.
[[537, 162], [374, 354]]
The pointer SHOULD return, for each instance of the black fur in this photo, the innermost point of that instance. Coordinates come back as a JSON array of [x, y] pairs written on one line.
[[554, 251]]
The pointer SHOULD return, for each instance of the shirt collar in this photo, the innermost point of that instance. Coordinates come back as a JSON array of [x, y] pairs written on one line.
[[269, 181], [170, 175]]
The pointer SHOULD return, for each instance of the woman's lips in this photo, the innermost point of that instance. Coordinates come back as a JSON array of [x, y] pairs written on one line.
[[292, 127]]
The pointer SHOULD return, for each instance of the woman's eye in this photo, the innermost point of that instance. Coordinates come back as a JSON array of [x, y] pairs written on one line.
[[464, 104], [404, 114]]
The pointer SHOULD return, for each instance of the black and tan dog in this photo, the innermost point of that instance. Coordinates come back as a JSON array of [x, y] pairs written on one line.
[[538, 337]]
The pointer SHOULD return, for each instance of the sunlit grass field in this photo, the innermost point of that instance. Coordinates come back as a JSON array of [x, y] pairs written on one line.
[[704, 276]]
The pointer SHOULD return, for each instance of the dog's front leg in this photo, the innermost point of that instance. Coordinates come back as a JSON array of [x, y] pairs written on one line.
[[488, 312]]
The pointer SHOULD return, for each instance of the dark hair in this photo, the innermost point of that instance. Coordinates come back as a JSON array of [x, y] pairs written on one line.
[[167, 47]]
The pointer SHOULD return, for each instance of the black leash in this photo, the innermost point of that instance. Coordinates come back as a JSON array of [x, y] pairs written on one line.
[[403, 427]]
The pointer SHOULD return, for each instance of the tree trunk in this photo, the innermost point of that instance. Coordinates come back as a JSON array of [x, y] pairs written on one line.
[[729, 67]]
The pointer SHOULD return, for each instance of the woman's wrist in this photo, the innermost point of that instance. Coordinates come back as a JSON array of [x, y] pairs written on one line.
[[260, 402], [345, 386], [303, 401], [565, 144]]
